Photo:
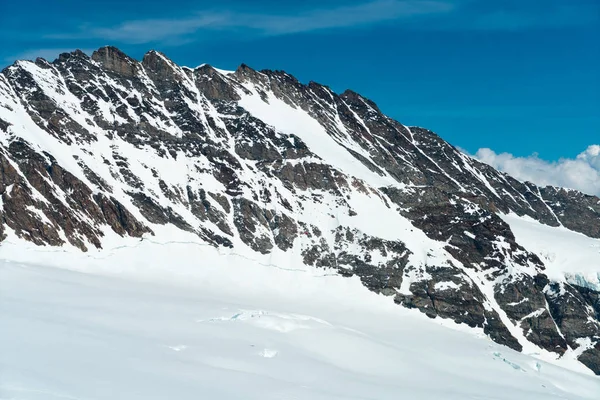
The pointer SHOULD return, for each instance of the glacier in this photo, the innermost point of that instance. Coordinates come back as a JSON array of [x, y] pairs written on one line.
[[216, 330]]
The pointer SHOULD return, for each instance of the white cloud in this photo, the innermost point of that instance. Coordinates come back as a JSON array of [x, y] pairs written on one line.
[[149, 30], [444, 14], [581, 173], [361, 14]]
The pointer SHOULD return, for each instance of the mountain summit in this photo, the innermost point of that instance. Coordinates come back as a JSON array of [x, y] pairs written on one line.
[[104, 148]]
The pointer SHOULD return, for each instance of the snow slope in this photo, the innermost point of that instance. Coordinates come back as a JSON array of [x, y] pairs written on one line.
[[295, 121], [199, 324], [566, 254]]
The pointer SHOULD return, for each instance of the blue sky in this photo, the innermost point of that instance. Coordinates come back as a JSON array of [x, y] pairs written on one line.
[[515, 76]]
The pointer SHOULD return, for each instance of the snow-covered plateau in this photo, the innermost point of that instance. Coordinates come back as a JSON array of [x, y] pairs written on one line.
[[180, 321]]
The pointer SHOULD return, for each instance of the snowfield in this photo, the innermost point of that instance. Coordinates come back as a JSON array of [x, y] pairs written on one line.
[[566, 254], [181, 321]]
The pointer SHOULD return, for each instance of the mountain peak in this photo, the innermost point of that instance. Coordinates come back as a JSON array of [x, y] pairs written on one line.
[[353, 97], [116, 61], [71, 56], [246, 72], [110, 52], [154, 56], [157, 62]]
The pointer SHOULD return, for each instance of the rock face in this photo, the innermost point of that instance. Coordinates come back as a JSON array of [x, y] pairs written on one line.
[[260, 163]]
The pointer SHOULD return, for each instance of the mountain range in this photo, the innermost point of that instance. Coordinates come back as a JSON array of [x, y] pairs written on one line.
[[98, 149]]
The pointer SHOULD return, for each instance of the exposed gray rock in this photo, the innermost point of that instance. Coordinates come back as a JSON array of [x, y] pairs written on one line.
[[524, 302]]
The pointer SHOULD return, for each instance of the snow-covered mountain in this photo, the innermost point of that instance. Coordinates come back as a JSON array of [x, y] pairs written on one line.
[[104, 152]]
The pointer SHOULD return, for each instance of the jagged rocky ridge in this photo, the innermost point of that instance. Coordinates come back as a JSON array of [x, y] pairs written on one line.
[[106, 145]]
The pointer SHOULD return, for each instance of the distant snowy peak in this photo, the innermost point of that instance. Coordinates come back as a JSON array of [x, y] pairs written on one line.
[[98, 149]]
